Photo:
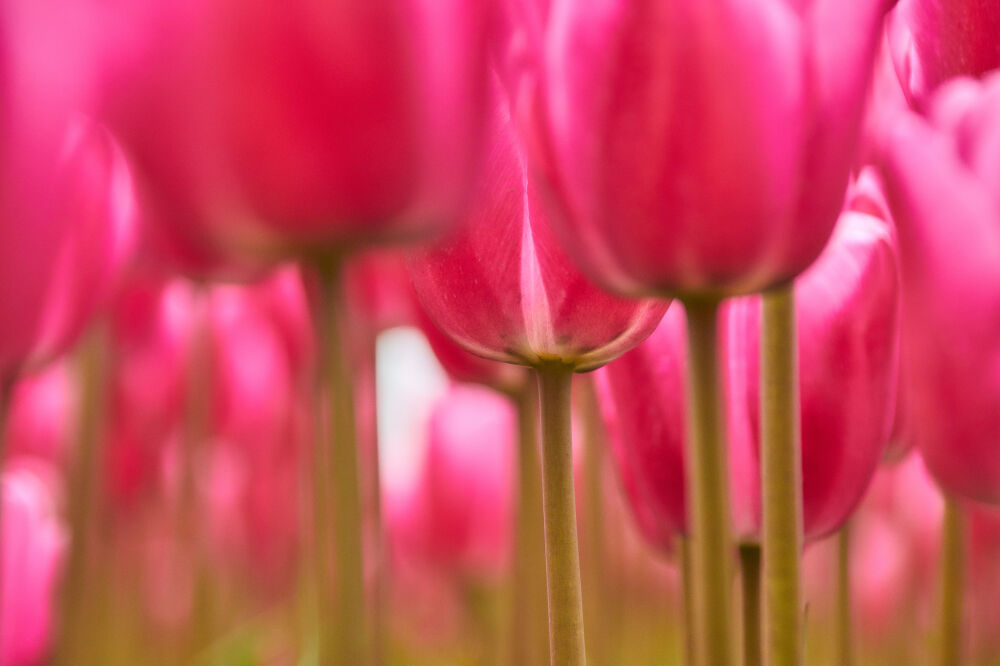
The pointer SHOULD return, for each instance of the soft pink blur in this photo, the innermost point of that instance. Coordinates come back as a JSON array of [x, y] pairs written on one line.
[[32, 548], [260, 127], [458, 515], [942, 178]]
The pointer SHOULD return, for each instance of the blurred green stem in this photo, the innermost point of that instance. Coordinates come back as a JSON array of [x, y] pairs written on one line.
[[952, 582], [347, 640], [750, 578], [529, 637], [75, 644], [845, 629], [707, 490], [781, 479], [562, 557], [687, 598]]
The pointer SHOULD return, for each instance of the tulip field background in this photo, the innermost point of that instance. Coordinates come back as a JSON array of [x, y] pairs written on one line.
[[500, 332]]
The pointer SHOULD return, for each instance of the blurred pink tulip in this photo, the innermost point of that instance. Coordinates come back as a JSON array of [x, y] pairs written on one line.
[[943, 181], [66, 208], [33, 545], [41, 415], [501, 287], [936, 40], [458, 517], [266, 127], [699, 148], [82, 217], [847, 316]]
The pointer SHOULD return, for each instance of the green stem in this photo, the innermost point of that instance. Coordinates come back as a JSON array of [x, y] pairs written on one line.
[[529, 637], [348, 636], [707, 490], [845, 629], [781, 479], [687, 599], [373, 486], [952, 582], [75, 641], [562, 557], [750, 578], [595, 567]]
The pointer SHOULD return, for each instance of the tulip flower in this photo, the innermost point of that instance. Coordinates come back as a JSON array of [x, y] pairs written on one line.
[[262, 131], [933, 41], [32, 547], [502, 288], [702, 151], [941, 181], [40, 416], [464, 499], [262, 126]]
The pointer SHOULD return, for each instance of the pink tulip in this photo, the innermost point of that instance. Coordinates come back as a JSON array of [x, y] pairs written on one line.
[[943, 180], [501, 286], [458, 517], [263, 126], [82, 217], [66, 212], [700, 148], [936, 40], [847, 316], [33, 544], [41, 415]]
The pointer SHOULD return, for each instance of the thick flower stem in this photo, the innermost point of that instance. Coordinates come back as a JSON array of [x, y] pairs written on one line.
[[707, 492], [74, 646], [562, 557], [343, 632], [687, 599], [952, 582], [845, 629], [529, 638], [781, 479], [750, 578]]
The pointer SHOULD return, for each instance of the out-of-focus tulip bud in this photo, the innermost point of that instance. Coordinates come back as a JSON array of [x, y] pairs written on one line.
[[86, 204], [267, 128], [700, 149], [942, 179], [847, 317], [33, 544], [460, 514], [936, 40], [501, 286], [40, 420]]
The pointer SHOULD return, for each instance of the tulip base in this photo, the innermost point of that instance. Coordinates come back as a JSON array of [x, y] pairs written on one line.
[[342, 624], [562, 556], [707, 490], [750, 579], [952, 583], [781, 479]]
